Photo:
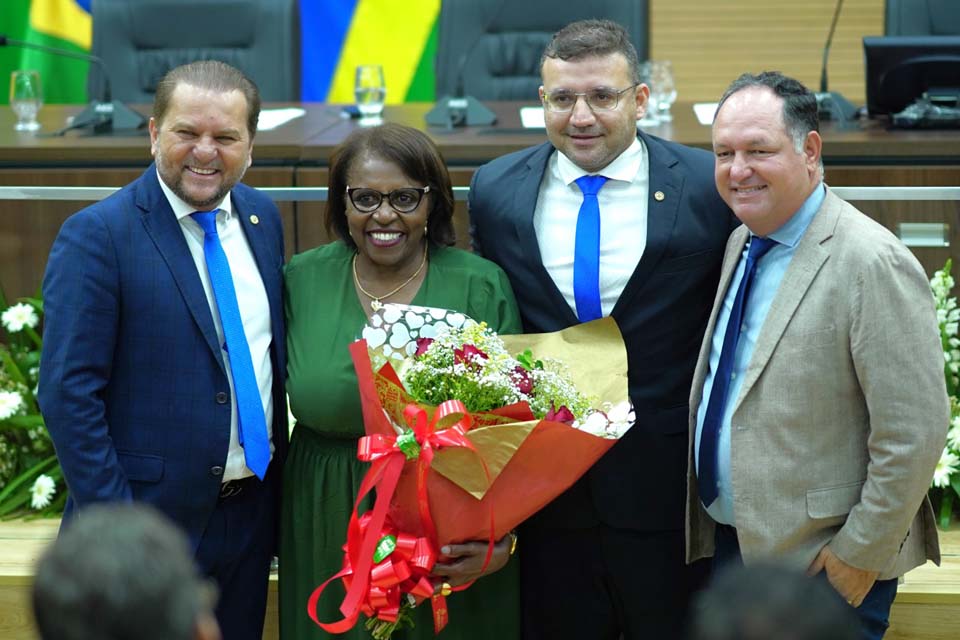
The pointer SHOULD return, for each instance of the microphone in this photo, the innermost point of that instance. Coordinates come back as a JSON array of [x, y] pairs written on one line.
[[832, 105], [459, 109], [104, 115]]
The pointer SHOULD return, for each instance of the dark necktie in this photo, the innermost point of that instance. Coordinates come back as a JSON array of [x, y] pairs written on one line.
[[710, 433], [252, 424], [586, 255]]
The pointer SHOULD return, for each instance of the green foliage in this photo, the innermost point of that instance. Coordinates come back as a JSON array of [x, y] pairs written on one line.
[[31, 482], [946, 478]]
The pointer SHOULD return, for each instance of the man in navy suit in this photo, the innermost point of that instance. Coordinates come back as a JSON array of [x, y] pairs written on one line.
[[136, 385], [606, 558]]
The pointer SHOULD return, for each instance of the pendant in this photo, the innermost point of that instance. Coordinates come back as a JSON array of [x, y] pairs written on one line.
[[376, 305]]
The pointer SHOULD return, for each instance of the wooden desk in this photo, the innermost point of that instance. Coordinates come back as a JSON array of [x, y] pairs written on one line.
[[298, 153]]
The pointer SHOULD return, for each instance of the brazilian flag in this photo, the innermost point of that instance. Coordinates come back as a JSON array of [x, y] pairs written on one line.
[[65, 24]]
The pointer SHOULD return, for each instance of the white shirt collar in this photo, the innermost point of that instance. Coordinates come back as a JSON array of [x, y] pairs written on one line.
[[624, 167], [181, 209]]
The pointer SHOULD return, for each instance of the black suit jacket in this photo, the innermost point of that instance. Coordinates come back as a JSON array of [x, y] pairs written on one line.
[[641, 482]]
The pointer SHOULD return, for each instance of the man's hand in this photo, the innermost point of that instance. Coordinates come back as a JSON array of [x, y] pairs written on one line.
[[462, 563], [850, 582]]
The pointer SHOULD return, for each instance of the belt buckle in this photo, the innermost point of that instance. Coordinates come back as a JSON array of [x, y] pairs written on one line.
[[229, 489]]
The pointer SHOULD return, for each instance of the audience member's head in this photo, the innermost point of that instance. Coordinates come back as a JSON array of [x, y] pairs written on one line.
[[772, 603], [122, 572], [414, 154]]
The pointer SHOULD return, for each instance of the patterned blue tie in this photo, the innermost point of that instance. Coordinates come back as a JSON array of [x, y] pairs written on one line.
[[710, 433], [586, 254], [252, 424]]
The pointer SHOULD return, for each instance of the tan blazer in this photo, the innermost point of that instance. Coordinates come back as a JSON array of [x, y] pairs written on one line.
[[843, 411]]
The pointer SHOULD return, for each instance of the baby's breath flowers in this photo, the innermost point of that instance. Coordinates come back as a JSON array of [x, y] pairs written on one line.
[[471, 364]]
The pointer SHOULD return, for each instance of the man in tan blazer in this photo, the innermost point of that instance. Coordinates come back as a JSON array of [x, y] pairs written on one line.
[[818, 418]]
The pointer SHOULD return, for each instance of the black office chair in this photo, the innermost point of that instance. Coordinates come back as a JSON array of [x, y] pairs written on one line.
[[494, 46], [140, 40], [922, 18]]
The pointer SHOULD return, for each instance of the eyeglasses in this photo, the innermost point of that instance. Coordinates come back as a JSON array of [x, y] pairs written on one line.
[[602, 99], [404, 200]]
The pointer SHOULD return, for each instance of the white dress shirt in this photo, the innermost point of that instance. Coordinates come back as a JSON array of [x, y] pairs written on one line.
[[254, 309], [623, 221]]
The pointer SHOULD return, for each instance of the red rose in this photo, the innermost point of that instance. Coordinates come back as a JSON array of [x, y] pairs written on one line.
[[522, 380], [468, 355], [422, 345], [559, 415]]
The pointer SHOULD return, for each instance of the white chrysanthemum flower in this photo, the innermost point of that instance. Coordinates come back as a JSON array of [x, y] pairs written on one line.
[[10, 403], [595, 424], [42, 492], [953, 436], [946, 466], [19, 316]]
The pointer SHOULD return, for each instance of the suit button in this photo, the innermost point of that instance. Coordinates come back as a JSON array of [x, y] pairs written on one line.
[[221, 397], [216, 471]]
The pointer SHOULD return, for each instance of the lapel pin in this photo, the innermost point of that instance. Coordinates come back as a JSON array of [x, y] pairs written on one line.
[[254, 219], [658, 196]]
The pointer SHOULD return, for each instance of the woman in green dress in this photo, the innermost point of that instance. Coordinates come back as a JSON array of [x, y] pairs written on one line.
[[391, 205]]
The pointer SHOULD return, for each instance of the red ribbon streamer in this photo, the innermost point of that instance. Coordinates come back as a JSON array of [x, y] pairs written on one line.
[[376, 589]]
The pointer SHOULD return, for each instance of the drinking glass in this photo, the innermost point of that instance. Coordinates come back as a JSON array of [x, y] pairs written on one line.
[[663, 90], [370, 90], [26, 98]]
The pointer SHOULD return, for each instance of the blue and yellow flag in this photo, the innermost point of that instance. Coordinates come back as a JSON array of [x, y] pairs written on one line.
[[340, 34]]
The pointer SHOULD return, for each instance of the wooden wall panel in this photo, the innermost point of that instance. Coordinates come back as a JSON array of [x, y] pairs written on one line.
[[711, 42]]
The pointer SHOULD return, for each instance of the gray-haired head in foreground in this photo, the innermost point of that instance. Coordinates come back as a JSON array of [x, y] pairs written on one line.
[[119, 572], [768, 602], [211, 75], [799, 104], [591, 38]]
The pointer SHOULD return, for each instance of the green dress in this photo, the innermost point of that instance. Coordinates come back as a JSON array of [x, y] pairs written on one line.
[[322, 473]]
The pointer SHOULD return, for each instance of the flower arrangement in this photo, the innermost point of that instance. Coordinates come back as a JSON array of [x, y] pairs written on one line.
[[30, 476], [946, 478], [471, 364], [465, 442]]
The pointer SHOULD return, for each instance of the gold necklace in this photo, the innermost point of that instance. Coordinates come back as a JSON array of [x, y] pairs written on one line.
[[375, 303]]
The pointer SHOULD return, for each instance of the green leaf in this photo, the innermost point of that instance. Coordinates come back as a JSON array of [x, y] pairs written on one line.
[[527, 362], [37, 340], [27, 476], [24, 422], [10, 365], [946, 508]]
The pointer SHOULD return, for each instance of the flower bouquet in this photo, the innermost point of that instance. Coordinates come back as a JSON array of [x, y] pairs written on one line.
[[466, 441]]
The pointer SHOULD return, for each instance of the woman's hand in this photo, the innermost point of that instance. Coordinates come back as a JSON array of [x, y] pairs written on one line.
[[461, 563]]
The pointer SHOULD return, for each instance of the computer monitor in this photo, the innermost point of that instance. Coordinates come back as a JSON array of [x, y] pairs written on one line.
[[900, 69]]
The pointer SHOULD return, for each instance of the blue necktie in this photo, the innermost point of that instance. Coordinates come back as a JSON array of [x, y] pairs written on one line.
[[252, 424], [586, 254], [710, 433]]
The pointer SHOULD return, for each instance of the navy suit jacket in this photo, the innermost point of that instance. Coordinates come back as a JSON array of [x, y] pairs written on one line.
[[663, 310], [132, 384]]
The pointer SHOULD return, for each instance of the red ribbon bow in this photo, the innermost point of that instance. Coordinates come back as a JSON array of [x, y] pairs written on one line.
[[375, 588]]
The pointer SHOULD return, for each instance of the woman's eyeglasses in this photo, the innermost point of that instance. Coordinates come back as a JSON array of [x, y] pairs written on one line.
[[404, 200]]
